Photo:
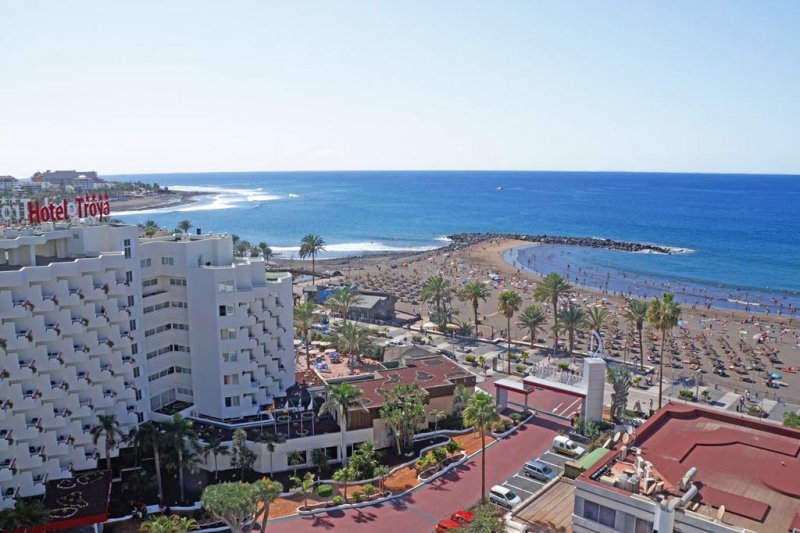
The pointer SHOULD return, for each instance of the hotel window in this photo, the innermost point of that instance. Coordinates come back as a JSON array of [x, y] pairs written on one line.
[[127, 244], [181, 305], [230, 357], [227, 333], [134, 348], [170, 261], [231, 401], [149, 283], [128, 277], [226, 310], [132, 325], [599, 513], [183, 327], [136, 372], [643, 526], [177, 282], [131, 301], [230, 379], [145, 263], [225, 286]]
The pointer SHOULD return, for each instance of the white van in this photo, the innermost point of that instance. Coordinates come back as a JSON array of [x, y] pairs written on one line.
[[565, 446]]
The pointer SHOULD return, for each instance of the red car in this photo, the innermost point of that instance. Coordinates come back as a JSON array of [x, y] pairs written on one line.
[[447, 525], [456, 520], [462, 517]]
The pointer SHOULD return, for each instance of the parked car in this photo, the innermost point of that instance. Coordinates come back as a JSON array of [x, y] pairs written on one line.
[[504, 497], [566, 446], [462, 517], [539, 470], [447, 525], [397, 343]]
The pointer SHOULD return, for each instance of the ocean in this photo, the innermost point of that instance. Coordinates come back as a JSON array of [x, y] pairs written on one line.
[[738, 233]]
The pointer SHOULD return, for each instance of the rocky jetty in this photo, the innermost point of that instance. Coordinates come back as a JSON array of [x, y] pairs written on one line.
[[465, 239]]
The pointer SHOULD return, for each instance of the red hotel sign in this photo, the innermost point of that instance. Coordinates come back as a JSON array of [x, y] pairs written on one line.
[[38, 211]]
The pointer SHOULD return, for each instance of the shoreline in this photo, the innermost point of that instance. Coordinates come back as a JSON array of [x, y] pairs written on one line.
[[157, 201]]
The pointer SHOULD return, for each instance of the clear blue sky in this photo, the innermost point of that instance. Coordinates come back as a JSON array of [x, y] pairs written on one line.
[[196, 85]]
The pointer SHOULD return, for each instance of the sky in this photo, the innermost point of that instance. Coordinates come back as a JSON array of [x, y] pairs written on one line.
[[197, 85]]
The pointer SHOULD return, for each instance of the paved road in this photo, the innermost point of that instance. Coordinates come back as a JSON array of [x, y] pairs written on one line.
[[421, 510]]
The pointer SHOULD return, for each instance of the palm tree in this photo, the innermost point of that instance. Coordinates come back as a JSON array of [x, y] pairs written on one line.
[[26, 515], [150, 228], [303, 486], [595, 320], [435, 290], [474, 292], [342, 476], [107, 427], [168, 524], [532, 318], [181, 435], [636, 314], [481, 413], [437, 417], [509, 303], [663, 314], [215, 448], [272, 440], [149, 435], [443, 315], [296, 458], [312, 244], [303, 318], [341, 398], [549, 290], [184, 225], [573, 320], [266, 251], [352, 339], [342, 300], [381, 471], [319, 458]]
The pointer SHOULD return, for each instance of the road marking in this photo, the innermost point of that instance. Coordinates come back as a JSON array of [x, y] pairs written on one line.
[[557, 467], [507, 484], [566, 411], [556, 407]]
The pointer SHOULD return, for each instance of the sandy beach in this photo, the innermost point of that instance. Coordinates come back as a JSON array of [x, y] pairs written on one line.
[[156, 201], [747, 347]]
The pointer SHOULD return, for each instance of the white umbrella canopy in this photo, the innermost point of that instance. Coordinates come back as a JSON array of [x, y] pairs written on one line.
[[429, 325]]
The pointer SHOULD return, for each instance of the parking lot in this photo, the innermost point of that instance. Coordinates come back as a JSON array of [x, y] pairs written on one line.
[[525, 486]]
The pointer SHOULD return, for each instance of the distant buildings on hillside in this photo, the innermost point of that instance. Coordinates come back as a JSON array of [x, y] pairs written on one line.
[[70, 180]]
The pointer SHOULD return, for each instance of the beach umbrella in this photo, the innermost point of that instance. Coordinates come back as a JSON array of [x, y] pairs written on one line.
[[775, 375]]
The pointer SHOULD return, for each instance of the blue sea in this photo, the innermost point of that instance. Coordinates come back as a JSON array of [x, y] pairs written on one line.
[[739, 234]]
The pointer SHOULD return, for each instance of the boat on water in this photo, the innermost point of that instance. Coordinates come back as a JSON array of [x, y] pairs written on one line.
[[499, 188]]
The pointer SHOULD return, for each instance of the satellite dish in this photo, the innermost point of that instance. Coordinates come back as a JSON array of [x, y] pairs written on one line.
[[626, 438]]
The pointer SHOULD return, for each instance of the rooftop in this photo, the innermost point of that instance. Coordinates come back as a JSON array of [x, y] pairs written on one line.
[[551, 510], [428, 373], [750, 467]]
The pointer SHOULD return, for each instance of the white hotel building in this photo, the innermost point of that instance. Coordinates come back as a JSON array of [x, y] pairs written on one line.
[[95, 321]]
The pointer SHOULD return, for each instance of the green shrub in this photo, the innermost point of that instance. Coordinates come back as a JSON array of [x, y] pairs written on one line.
[[563, 365], [470, 358], [508, 423], [324, 491], [439, 455], [416, 338], [337, 500], [520, 369], [452, 447], [357, 495], [515, 418], [686, 393], [369, 490]]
